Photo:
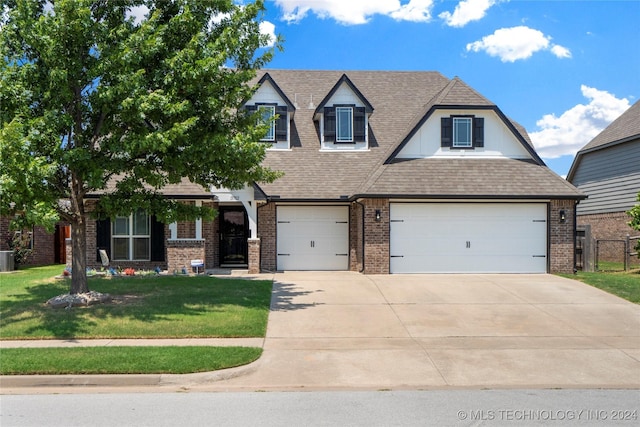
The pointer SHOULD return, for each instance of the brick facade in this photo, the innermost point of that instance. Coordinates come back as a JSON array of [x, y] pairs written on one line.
[[609, 226], [43, 243], [267, 235], [369, 254], [368, 245], [376, 236], [356, 242], [254, 256], [561, 239], [614, 225], [178, 253], [181, 252]]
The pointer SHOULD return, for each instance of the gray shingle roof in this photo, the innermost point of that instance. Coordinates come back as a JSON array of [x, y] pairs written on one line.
[[183, 190], [400, 101], [624, 127], [474, 178]]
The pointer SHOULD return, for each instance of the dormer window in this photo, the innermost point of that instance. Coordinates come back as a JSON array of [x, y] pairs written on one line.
[[460, 132], [267, 113], [344, 124], [277, 131]]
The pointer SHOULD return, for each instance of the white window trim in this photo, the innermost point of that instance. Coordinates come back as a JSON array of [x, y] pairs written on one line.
[[131, 237], [351, 137], [455, 142]]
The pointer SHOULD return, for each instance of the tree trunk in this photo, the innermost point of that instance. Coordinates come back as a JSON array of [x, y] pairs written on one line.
[[79, 256]]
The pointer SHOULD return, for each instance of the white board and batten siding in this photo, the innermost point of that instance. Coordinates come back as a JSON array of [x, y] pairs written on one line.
[[500, 142], [312, 238], [468, 238], [344, 96]]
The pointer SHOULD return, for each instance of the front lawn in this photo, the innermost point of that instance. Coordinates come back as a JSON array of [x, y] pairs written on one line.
[[623, 284], [123, 360], [142, 307]]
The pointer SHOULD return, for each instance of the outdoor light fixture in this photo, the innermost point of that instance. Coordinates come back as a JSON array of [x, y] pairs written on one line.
[[377, 215], [563, 216]]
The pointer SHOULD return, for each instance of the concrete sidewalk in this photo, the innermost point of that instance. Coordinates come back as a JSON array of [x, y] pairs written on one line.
[[337, 330]]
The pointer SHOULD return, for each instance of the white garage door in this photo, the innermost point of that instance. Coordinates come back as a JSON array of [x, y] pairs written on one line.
[[468, 238], [313, 237]]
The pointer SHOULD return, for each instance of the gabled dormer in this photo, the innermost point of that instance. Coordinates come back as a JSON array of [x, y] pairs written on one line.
[[460, 123], [270, 101], [343, 117]]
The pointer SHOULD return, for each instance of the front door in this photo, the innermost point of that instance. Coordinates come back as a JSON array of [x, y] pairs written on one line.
[[234, 230]]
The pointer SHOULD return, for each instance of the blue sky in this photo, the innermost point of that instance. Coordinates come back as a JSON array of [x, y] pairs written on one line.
[[562, 69]]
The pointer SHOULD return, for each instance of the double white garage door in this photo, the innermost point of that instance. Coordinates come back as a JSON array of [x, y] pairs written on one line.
[[468, 238], [424, 238]]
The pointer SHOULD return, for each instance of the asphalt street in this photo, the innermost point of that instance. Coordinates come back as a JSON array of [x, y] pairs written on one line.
[[372, 408]]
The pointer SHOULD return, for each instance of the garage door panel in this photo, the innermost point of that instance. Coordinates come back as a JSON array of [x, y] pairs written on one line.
[[450, 237], [313, 238]]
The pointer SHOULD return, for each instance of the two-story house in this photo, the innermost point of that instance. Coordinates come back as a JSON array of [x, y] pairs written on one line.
[[607, 169], [384, 172]]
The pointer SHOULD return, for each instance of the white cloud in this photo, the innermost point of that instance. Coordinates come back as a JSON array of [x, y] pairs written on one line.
[[515, 43], [138, 13], [560, 51], [354, 12], [467, 11], [267, 28], [565, 135]]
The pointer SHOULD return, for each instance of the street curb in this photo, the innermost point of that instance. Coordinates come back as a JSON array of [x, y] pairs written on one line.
[[125, 380]]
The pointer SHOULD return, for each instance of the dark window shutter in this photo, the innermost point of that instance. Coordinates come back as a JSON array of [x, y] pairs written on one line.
[[329, 124], [446, 132], [103, 237], [359, 124], [281, 123], [250, 109], [478, 132], [157, 240]]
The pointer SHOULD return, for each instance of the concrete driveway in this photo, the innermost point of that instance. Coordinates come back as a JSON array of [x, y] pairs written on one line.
[[346, 330]]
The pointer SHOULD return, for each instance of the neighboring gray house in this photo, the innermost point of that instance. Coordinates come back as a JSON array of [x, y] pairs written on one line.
[[384, 172], [607, 169]]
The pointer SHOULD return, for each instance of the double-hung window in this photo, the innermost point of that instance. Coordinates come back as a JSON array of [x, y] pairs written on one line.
[[267, 113], [344, 124], [462, 132], [131, 237]]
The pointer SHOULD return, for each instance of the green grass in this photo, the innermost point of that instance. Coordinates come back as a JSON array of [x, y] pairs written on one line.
[[143, 307], [634, 263], [123, 360], [624, 285]]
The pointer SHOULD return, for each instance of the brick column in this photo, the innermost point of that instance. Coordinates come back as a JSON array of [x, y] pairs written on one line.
[[254, 256], [376, 236], [562, 244], [267, 234]]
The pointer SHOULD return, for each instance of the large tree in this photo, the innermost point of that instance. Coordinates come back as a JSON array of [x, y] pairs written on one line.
[[90, 93]]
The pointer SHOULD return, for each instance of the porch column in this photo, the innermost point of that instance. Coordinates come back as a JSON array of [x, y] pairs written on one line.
[[254, 256], [252, 214]]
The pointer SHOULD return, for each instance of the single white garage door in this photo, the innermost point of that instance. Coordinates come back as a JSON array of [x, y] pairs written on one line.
[[468, 238], [313, 237]]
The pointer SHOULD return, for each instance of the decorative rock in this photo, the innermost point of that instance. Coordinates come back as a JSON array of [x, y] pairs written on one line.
[[79, 300]]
